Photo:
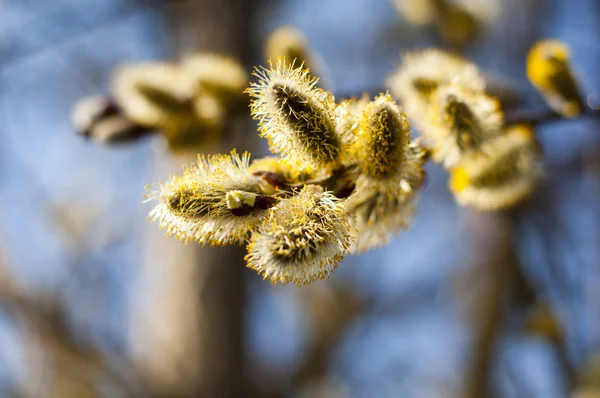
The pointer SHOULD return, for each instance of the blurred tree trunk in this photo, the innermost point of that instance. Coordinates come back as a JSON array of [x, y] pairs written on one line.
[[494, 279], [187, 323]]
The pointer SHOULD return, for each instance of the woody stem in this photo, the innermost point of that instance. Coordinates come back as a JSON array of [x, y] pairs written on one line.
[[513, 116]]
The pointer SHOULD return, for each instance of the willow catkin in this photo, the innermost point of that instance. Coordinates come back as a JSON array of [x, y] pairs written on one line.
[[303, 238], [295, 116]]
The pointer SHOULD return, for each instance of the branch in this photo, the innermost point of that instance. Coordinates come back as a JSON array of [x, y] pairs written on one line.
[[544, 116], [536, 117]]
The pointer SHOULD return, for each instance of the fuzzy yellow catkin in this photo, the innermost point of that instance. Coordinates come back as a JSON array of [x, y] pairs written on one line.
[[217, 201], [347, 117], [417, 12], [218, 82], [456, 23], [295, 116], [549, 70], [160, 96], [420, 75], [89, 110], [217, 74], [151, 93], [99, 119], [501, 178], [383, 135], [289, 43], [461, 121], [390, 174], [302, 239], [378, 211]]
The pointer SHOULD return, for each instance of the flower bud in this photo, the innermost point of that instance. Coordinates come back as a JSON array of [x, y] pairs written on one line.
[[503, 176], [549, 70], [462, 121], [302, 239], [383, 137], [218, 201], [347, 118], [418, 12], [457, 21], [456, 25], [289, 43], [296, 117], [151, 93], [219, 75], [380, 208], [415, 82], [100, 119]]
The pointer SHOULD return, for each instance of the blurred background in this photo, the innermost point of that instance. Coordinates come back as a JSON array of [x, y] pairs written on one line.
[[96, 302]]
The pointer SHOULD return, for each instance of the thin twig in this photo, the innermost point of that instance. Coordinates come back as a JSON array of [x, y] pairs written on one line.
[[543, 116], [514, 116]]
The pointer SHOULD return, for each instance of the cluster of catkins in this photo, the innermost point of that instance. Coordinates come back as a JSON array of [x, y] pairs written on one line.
[[347, 173], [188, 102], [491, 165], [345, 180]]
